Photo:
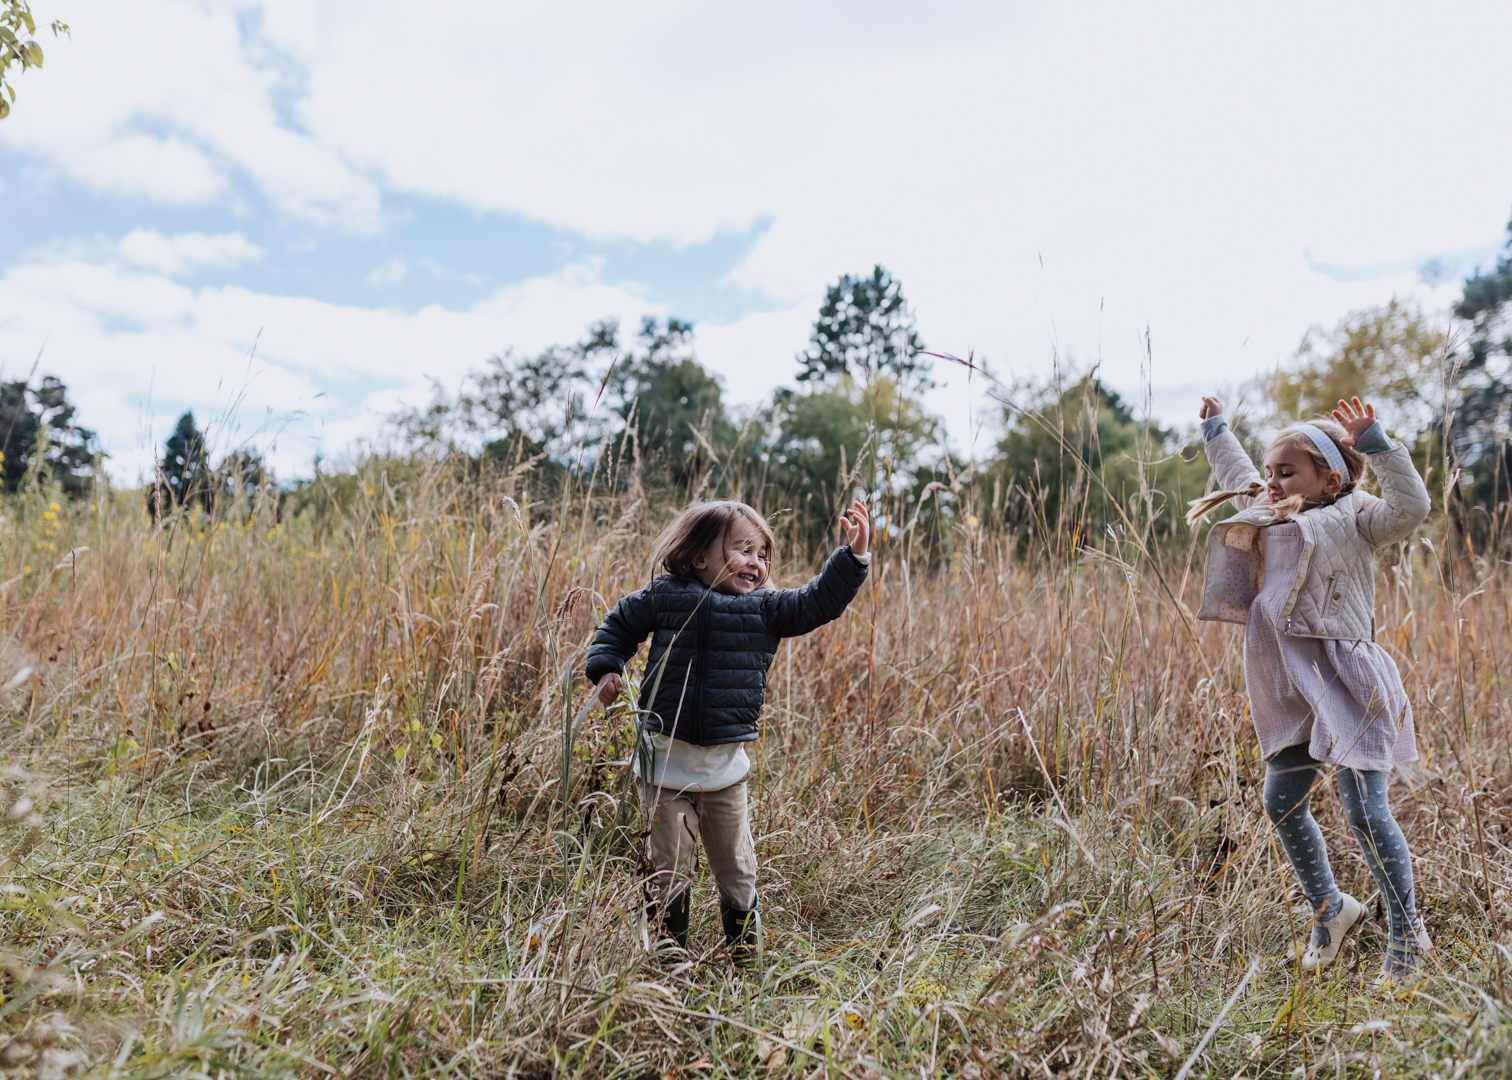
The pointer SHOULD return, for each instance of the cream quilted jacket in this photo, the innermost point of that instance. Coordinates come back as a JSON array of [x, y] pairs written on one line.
[[1334, 594]]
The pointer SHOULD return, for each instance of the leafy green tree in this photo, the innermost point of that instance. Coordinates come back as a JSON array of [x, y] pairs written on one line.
[[650, 406], [1387, 354], [669, 404], [514, 411], [865, 330], [18, 46], [1073, 462], [40, 434], [858, 427], [825, 445]]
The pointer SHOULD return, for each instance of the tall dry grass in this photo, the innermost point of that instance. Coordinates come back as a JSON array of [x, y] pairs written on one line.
[[319, 797]]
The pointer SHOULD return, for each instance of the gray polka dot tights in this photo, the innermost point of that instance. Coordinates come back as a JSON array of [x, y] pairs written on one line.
[[1289, 779]]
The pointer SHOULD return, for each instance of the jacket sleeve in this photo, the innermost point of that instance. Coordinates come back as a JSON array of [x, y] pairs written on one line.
[[1404, 503], [620, 635], [792, 612], [1232, 467]]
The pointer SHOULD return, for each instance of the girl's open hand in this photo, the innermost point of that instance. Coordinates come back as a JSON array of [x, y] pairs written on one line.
[[1211, 407], [856, 527], [1355, 418], [610, 687]]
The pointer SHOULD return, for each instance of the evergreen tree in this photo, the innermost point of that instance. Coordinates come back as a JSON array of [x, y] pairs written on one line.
[[1487, 303], [1476, 414], [40, 432], [860, 426], [184, 473], [1485, 379], [865, 329]]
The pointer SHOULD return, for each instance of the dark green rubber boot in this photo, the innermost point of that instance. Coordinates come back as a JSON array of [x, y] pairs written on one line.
[[671, 920], [742, 931]]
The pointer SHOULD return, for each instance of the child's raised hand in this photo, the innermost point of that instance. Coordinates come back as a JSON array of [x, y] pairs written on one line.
[[856, 527], [1211, 407], [1355, 418], [610, 687]]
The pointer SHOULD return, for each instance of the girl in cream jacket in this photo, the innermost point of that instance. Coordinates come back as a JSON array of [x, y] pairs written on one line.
[[1296, 567]]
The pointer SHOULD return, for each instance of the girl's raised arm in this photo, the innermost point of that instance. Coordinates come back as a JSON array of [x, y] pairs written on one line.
[[1232, 468], [1404, 503], [794, 612]]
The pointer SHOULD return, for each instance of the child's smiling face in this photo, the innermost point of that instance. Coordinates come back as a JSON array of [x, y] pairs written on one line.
[[1290, 470], [739, 564]]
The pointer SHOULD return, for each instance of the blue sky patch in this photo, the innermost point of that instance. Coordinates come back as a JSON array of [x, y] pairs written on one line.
[[429, 252], [1445, 266]]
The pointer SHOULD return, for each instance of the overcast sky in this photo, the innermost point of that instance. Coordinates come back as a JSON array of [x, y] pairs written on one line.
[[288, 214]]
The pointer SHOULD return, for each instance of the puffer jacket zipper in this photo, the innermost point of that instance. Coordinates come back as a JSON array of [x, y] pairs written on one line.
[[701, 672]]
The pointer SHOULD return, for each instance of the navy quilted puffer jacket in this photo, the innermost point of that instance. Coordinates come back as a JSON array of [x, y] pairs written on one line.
[[718, 647]]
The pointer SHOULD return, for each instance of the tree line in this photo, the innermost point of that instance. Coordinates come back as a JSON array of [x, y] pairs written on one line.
[[621, 408], [1072, 462]]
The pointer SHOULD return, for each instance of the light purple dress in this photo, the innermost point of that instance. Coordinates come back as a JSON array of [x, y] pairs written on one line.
[[1343, 698]]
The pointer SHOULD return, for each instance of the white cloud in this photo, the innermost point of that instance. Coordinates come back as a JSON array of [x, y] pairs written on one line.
[[389, 273], [177, 255], [754, 355], [168, 170], [1044, 179], [1169, 166], [164, 99], [135, 347], [877, 118]]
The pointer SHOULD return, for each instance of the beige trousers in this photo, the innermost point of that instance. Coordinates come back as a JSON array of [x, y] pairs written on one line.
[[720, 819]]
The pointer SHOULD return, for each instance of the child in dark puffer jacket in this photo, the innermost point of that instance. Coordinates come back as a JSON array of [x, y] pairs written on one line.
[[715, 624]]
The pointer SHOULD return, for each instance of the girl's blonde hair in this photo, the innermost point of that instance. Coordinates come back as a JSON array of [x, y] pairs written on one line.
[[1287, 509], [698, 528]]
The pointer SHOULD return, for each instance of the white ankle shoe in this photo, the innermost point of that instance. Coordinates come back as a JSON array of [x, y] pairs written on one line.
[[1329, 937], [1424, 942], [1400, 968]]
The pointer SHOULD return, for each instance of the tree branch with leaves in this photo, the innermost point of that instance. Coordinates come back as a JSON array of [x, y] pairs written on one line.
[[18, 46]]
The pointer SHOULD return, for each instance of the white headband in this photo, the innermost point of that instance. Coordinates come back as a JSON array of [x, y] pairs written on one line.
[[1326, 447]]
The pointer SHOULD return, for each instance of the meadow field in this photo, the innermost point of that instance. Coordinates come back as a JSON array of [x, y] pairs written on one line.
[[321, 793]]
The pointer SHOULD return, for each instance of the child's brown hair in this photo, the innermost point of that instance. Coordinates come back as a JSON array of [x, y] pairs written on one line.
[[1286, 509], [698, 528]]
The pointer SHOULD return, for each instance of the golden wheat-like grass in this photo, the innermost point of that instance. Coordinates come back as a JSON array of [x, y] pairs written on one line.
[[319, 796]]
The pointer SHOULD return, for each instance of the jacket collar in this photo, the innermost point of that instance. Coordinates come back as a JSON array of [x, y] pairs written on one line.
[[1262, 514]]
